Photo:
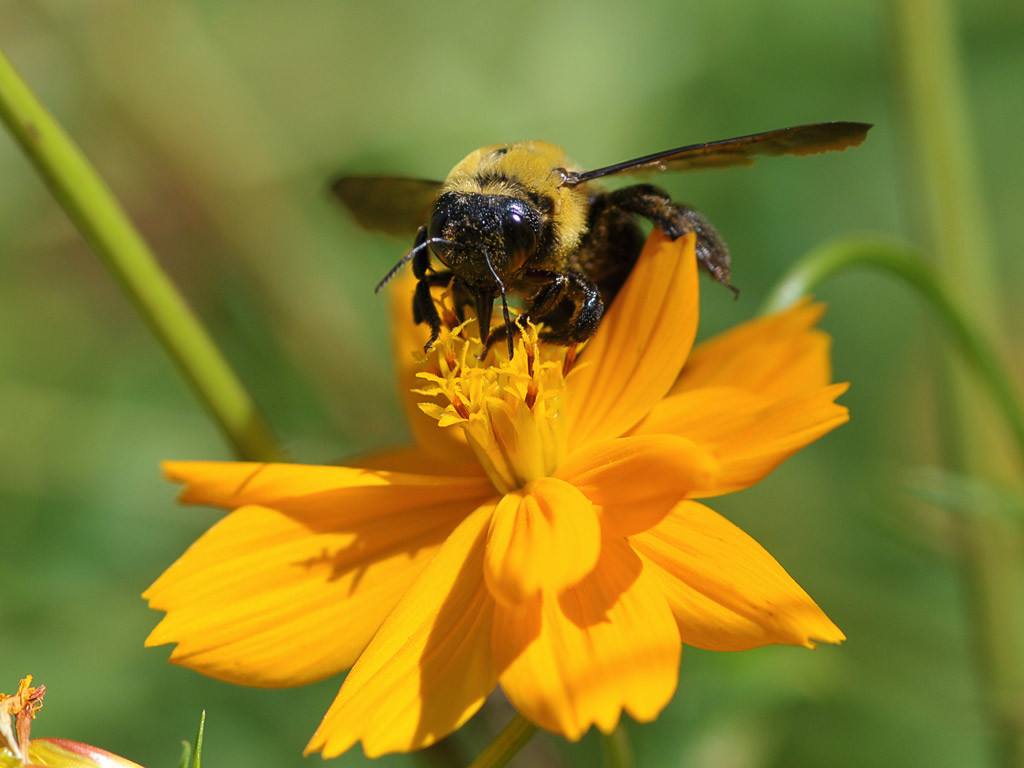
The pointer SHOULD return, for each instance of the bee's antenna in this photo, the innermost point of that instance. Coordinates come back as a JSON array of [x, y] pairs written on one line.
[[407, 258], [508, 324], [504, 306]]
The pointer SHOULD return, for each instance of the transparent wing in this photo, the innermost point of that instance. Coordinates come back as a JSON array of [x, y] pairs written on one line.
[[798, 140], [388, 204]]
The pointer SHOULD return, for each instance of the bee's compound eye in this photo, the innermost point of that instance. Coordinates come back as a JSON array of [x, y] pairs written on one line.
[[438, 221], [520, 229]]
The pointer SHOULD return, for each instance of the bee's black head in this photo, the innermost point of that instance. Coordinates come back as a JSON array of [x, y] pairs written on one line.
[[492, 236]]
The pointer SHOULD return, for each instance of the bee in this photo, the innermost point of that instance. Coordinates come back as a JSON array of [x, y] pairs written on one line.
[[518, 220]]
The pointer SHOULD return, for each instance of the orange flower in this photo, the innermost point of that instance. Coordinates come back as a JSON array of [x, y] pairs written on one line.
[[541, 536]]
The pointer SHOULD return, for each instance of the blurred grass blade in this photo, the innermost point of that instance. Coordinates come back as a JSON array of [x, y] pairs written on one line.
[[904, 263], [966, 494], [506, 744], [103, 223], [192, 754], [197, 750]]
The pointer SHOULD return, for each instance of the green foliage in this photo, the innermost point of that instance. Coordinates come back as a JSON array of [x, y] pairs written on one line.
[[217, 125], [192, 753]]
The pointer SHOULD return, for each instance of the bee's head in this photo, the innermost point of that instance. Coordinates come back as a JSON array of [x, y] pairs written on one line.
[[491, 237]]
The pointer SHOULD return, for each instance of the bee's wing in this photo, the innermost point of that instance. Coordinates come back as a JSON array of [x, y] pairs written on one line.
[[798, 140], [388, 204]]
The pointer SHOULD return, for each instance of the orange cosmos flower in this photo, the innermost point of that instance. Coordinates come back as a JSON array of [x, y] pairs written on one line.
[[542, 536]]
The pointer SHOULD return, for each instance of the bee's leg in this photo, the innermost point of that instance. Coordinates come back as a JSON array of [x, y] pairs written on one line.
[[675, 220], [585, 308], [462, 297], [552, 287], [568, 303], [546, 299], [423, 309]]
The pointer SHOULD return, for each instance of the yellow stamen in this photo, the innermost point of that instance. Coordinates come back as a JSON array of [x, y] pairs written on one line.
[[16, 714], [570, 359], [508, 409]]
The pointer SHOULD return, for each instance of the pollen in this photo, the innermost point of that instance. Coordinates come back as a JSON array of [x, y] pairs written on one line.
[[508, 409]]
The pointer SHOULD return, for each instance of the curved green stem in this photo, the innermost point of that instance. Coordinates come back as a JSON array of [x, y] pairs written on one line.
[[948, 208], [92, 207], [618, 753], [904, 263], [506, 744]]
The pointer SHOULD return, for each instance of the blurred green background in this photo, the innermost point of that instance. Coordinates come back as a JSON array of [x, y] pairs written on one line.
[[218, 123]]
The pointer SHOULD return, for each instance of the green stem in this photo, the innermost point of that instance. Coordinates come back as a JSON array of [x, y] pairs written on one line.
[[506, 744], [92, 207], [949, 210], [903, 262], [197, 751], [618, 753]]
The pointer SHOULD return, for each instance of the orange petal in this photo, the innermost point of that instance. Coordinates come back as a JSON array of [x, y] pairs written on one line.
[[283, 596], [429, 667], [416, 460], [775, 356], [726, 591], [748, 434], [309, 488], [636, 480], [407, 340], [639, 349], [547, 537], [580, 658]]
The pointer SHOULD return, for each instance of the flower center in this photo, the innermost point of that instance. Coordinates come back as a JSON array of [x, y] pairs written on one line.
[[508, 409]]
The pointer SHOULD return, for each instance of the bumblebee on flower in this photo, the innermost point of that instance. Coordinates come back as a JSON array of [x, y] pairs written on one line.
[[542, 536]]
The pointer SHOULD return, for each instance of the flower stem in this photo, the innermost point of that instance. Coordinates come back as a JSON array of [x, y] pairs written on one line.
[[903, 262], [506, 744], [946, 189], [617, 750], [90, 204]]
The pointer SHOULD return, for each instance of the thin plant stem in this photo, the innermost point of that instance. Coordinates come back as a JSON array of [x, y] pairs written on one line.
[[990, 576], [945, 187], [513, 737], [197, 752], [904, 263], [93, 209], [618, 752]]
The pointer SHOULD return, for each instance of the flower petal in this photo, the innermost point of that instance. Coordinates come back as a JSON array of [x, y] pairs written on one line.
[[580, 658], [547, 537], [640, 346], [308, 488], [407, 339], [64, 753], [726, 591], [429, 667], [748, 434], [775, 356], [283, 596], [636, 480], [416, 460]]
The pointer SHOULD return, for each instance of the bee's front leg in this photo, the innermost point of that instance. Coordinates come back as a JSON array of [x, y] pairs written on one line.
[[549, 292], [585, 308], [423, 309], [675, 220]]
